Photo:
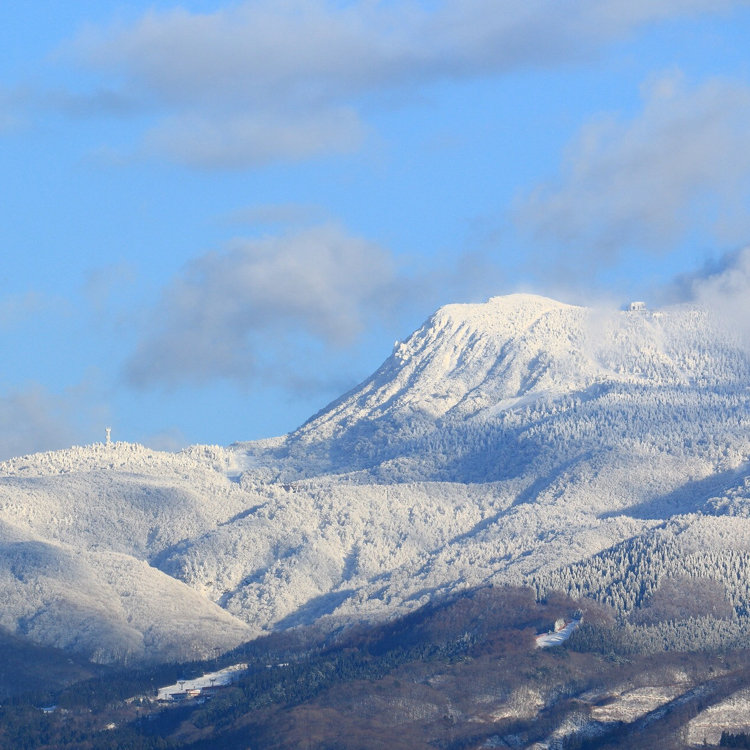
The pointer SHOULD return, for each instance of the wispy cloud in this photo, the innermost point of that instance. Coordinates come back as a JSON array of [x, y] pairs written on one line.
[[246, 310], [166, 440], [16, 308], [241, 140], [681, 165], [276, 215], [8, 120], [270, 79], [13, 106], [104, 284]]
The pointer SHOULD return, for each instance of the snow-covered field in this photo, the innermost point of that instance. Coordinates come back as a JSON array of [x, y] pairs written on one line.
[[219, 678], [634, 703], [731, 714], [498, 441], [547, 640]]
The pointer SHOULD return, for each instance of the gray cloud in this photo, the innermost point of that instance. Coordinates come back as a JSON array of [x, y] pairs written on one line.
[[681, 165], [243, 140], [265, 79], [33, 419], [256, 306], [103, 101], [722, 286]]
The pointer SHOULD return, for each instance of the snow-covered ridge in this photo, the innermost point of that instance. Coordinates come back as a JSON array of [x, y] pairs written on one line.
[[142, 500], [471, 359], [78, 529], [120, 455]]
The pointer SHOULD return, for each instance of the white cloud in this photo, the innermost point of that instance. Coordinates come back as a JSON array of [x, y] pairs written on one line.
[[291, 309], [681, 165], [254, 307], [268, 79]]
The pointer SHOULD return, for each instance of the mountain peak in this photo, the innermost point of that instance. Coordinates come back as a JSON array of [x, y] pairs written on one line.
[[512, 312], [472, 359], [525, 299]]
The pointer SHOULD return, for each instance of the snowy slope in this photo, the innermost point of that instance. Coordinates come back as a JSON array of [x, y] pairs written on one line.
[[497, 442], [139, 500], [469, 360], [496, 366], [104, 605], [77, 530]]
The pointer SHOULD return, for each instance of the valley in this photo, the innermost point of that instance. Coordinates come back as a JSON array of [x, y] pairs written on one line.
[[462, 672]]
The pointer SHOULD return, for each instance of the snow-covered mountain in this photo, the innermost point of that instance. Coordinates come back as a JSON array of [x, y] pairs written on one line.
[[501, 441], [469, 384], [472, 361]]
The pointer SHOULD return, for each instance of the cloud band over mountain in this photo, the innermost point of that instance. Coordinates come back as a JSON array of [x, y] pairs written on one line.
[[266, 80]]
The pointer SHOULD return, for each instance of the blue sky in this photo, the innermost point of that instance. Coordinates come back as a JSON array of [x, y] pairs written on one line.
[[216, 217]]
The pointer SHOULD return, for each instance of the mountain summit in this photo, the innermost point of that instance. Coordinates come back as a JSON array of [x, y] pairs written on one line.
[[471, 359], [474, 362]]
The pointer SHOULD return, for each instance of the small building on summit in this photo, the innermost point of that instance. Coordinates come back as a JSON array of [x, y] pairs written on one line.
[[637, 306]]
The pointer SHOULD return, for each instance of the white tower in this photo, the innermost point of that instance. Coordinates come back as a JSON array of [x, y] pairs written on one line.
[[108, 430]]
